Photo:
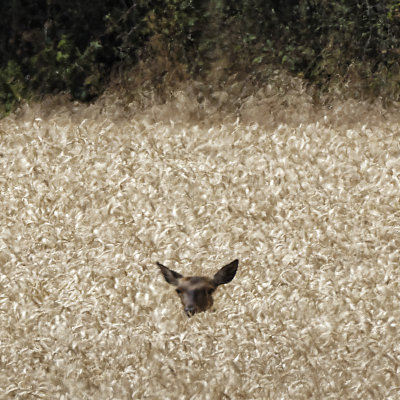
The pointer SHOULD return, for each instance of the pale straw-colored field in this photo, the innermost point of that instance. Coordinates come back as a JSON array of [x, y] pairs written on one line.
[[307, 198]]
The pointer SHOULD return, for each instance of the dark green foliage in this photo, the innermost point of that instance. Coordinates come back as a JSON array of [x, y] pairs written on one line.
[[11, 86], [53, 45], [66, 46]]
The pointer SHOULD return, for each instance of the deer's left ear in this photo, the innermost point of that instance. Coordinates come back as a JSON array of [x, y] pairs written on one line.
[[170, 276], [226, 274]]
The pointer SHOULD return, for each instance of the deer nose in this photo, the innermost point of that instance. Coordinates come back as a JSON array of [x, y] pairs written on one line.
[[190, 311]]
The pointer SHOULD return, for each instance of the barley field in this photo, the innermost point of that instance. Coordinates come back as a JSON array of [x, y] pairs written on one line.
[[307, 198]]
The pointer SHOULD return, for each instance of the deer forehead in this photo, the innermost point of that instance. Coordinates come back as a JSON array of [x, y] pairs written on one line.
[[195, 282]]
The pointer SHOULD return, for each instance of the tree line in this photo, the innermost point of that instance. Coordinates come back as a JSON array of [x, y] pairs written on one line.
[[48, 46]]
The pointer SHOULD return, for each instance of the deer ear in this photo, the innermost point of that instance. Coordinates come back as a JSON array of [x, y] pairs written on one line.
[[170, 276], [226, 274]]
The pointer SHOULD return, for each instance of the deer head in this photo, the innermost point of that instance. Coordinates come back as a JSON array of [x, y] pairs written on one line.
[[196, 292]]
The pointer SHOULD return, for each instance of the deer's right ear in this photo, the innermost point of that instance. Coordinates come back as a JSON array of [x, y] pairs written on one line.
[[170, 276]]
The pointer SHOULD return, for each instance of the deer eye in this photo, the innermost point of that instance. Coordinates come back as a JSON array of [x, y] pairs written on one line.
[[179, 291], [210, 291]]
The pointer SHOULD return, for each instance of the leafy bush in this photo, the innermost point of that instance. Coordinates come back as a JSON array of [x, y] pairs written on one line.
[[12, 87], [51, 45]]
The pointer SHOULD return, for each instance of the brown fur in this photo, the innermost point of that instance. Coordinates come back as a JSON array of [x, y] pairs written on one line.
[[196, 292]]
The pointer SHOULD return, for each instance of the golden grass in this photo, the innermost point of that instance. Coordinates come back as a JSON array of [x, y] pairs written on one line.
[[308, 199]]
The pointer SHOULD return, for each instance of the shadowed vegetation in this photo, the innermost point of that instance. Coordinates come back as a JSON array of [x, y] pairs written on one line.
[[49, 46]]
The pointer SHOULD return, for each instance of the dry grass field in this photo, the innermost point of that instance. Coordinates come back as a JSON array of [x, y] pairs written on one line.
[[306, 197]]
